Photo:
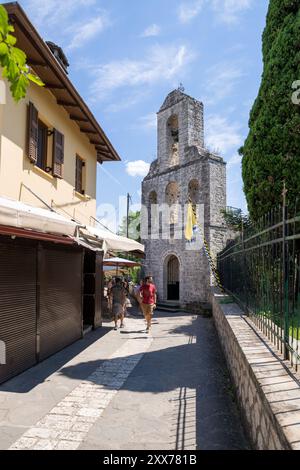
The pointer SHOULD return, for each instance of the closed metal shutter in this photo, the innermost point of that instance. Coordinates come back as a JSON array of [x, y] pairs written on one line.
[[60, 314], [98, 290], [17, 306]]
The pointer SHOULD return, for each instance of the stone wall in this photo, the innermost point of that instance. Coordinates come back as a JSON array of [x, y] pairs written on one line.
[[206, 170], [194, 268], [267, 388]]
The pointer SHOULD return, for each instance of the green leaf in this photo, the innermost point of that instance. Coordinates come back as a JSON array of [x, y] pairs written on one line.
[[12, 70], [10, 39], [5, 60], [18, 56], [13, 60], [3, 20], [3, 48], [35, 79], [19, 87]]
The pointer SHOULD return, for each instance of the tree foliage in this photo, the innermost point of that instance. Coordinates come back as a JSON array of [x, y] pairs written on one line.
[[271, 152], [134, 226], [236, 220], [134, 232], [13, 60]]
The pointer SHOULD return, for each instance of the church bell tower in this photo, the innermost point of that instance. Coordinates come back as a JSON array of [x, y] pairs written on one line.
[[184, 170]]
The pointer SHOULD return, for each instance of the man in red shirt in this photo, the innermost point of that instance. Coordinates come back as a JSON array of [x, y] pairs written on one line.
[[148, 295]]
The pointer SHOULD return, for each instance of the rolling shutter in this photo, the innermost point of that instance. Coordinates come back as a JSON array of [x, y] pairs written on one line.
[[17, 306], [60, 299], [32, 145], [58, 153], [98, 290]]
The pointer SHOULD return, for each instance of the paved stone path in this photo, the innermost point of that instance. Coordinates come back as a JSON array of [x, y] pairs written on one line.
[[68, 423], [128, 390]]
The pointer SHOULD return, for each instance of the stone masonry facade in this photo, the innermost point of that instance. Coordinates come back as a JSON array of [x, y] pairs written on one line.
[[266, 386], [183, 168]]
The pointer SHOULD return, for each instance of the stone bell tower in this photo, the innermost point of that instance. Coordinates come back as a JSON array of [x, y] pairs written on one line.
[[183, 170]]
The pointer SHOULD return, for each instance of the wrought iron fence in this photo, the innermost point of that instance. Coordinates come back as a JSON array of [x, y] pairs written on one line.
[[261, 269]]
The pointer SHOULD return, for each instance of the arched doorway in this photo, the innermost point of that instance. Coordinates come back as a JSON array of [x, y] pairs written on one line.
[[172, 278]]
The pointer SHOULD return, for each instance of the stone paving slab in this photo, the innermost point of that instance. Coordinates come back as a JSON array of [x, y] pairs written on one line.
[[25, 399], [91, 397], [177, 397], [128, 390]]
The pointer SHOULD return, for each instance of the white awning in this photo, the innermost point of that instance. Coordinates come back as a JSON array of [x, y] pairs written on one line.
[[90, 244], [17, 214], [111, 241]]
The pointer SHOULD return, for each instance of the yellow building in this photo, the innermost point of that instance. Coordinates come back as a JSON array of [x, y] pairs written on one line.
[[50, 141], [50, 272]]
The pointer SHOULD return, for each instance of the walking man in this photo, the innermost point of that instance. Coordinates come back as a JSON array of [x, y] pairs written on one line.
[[148, 295], [118, 299]]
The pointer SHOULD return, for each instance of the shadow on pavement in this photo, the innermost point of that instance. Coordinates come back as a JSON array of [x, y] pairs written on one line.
[[37, 374], [197, 374], [193, 368]]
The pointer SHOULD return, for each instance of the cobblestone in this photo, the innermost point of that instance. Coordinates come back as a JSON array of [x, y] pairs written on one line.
[[173, 394], [66, 425]]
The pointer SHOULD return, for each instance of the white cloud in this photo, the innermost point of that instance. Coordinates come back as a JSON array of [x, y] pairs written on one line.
[[221, 81], [234, 161], [85, 31], [152, 30], [58, 20], [226, 11], [137, 168], [188, 11], [221, 135], [160, 64], [54, 12]]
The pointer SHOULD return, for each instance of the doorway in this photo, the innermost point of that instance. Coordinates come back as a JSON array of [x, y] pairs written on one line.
[[173, 278]]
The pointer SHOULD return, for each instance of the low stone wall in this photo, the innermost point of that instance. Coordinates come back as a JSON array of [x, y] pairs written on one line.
[[267, 388]]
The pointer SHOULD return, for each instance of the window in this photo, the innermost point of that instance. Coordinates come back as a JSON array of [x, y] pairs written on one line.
[[37, 144], [80, 164], [42, 144], [152, 213], [172, 198], [194, 191], [173, 139]]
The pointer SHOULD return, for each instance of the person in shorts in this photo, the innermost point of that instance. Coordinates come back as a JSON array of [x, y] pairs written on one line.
[[148, 296], [118, 299], [137, 294]]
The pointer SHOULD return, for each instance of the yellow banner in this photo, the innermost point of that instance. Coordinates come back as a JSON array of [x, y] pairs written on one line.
[[190, 223]]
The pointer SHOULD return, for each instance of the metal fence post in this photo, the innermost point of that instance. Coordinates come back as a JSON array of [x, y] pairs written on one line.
[[285, 275], [244, 270]]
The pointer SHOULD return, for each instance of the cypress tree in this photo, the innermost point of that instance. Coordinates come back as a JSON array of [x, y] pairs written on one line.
[[271, 152]]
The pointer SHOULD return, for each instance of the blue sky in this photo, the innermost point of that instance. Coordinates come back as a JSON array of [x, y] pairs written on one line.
[[127, 55]]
